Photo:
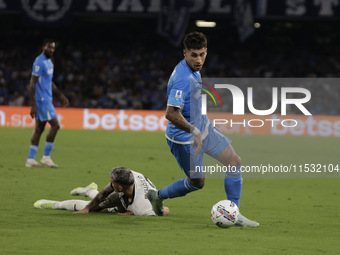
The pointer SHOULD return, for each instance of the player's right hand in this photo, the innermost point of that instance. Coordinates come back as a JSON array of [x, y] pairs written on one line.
[[33, 112], [197, 143]]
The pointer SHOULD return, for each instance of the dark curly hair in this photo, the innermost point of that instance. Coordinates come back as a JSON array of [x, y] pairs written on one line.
[[195, 40]]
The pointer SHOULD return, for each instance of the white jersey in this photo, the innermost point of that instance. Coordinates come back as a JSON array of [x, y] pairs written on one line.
[[141, 205]]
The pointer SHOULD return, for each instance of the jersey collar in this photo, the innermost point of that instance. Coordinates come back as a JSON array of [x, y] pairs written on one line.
[[43, 55]]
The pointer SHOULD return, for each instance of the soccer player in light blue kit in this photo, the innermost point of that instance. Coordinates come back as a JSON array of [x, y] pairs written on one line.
[[190, 134], [41, 89]]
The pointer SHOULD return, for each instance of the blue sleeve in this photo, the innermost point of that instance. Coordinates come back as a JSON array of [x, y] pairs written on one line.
[[176, 98], [37, 68], [178, 93]]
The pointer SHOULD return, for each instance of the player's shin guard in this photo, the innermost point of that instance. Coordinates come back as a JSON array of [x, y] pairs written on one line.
[[33, 151], [178, 188], [233, 184], [48, 149]]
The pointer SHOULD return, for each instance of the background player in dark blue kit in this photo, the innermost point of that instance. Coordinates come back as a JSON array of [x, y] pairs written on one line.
[[190, 134], [41, 95]]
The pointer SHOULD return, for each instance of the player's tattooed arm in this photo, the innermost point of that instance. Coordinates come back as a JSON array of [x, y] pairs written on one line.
[[94, 204], [174, 115]]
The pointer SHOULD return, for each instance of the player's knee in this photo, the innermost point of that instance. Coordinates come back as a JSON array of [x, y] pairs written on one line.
[[39, 130], [198, 183], [238, 160], [235, 160], [55, 127]]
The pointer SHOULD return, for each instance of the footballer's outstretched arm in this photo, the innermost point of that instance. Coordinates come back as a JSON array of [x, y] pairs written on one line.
[[174, 115], [94, 204]]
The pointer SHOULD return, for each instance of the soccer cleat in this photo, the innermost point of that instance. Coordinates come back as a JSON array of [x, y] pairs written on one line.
[[44, 204], [244, 222], [156, 202], [30, 162], [82, 190], [47, 161]]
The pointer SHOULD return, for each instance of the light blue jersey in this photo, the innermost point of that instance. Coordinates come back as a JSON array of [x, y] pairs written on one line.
[[43, 67], [184, 91]]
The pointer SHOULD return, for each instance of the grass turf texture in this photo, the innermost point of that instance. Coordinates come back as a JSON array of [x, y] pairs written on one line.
[[297, 216]]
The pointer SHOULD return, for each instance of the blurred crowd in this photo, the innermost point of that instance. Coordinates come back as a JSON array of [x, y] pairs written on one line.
[[130, 71]]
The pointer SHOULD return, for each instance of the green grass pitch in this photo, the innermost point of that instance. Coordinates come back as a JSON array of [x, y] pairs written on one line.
[[297, 216]]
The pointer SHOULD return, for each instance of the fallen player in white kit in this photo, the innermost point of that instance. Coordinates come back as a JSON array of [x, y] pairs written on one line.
[[125, 194]]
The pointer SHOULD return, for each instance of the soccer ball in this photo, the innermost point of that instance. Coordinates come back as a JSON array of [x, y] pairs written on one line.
[[224, 213]]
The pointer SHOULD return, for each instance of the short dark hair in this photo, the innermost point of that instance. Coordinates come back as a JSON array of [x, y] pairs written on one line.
[[195, 40], [48, 40], [123, 176]]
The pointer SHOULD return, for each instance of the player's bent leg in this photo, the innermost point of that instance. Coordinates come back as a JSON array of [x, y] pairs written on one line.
[[233, 182], [228, 157], [233, 179], [187, 160], [198, 183], [181, 187]]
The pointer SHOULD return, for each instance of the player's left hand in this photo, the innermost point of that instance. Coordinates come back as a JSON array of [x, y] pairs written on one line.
[[64, 100], [33, 111]]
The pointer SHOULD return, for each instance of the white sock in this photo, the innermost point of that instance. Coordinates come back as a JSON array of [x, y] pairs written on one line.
[[71, 205], [91, 193]]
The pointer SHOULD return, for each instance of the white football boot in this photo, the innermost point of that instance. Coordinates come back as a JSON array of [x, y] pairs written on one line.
[[83, 191], [244, 222], [30, 162], [47, 161], [44, 204]]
